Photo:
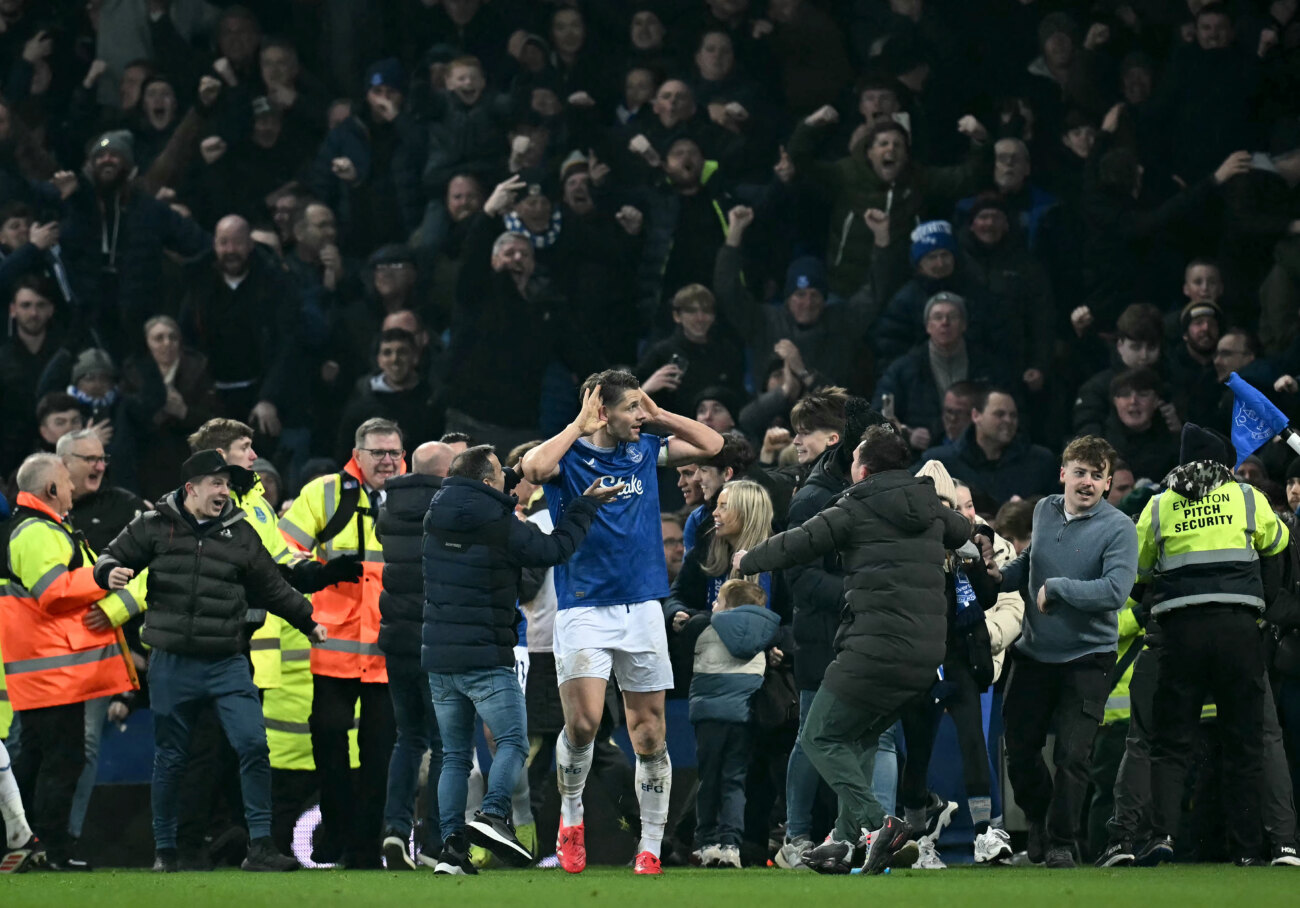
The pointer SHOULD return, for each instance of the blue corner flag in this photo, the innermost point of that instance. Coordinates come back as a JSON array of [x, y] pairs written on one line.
[[1254, 418]]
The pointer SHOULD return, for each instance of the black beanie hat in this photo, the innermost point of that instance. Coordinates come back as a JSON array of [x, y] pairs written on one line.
[[1204, 444]]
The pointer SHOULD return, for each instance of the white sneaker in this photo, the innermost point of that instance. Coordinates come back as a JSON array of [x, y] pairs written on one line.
[[710, 855], [993, 846], [929, 857], [728, 856], [790, 855]]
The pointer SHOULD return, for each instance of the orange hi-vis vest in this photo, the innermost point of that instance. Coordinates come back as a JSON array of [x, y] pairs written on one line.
[[319, 522], [50, 657]]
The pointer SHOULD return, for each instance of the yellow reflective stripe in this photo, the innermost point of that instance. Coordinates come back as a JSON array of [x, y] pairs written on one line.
[[132, 606], [1117, 702], [261, 643], [293, 728], [295, 655], [330, 489], [1249, 492], [1211, 556], [1154, 505], [43, 663], [47, 579], [302, 537], [4, 695], [354, 647], [1276, 544], [1213, 598]]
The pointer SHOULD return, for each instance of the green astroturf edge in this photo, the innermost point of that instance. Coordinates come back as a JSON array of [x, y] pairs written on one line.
[[1177, 886]]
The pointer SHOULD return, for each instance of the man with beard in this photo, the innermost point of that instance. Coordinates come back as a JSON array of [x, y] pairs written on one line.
[[243, 315], [23, 356], [879, 174], [1191, 363], [113, 234]]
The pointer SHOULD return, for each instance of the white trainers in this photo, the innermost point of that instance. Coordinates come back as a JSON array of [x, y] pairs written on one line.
[[993, 846], [790, 855], [928, 859], [728, 856], [710, 855]]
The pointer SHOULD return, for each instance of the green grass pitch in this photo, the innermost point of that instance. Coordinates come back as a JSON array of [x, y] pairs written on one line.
[[1177, 886]]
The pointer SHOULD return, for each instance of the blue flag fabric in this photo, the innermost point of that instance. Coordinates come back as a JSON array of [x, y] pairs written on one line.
[[1254, 418]]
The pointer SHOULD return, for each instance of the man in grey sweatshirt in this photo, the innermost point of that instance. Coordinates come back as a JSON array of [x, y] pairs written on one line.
[[1081, 566]]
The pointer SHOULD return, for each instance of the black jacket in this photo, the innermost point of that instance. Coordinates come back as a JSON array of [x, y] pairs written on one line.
[[101, 515], [816, 587], [474, 550], [401, 602], [201, 578], [891, 532]]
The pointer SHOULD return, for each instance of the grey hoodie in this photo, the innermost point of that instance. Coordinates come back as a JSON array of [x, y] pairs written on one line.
[[1089, 565]]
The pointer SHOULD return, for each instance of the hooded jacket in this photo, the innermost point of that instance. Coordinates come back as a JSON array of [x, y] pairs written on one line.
[[918, 194], [401, 602], [474, 551], [201, 577], [730, 662], [891, 533]]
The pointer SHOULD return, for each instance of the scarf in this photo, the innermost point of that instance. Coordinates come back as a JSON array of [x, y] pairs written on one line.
[[948, 369], [1198, 478], [539, 240], [95, 403]]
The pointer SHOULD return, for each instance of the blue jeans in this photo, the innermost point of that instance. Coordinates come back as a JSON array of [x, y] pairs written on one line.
[[494, 694], [417, 731], [179, 685], [801, 778], [96, 716]]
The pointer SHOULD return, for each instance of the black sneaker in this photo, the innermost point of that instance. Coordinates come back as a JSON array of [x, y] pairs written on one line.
[[1119, 854], [455, 856], [228, 847], [1060, 859], [938, 814], [67, 863], [830, 857], [263, 858], [164, 861], [1285, 856], [1250, 862], [883, 843], [27, 856], [1158, 850], [397, 855], [497, 835], [1036, 848]]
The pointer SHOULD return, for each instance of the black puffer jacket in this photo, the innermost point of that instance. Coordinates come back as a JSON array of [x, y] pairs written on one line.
[[891, 531], [201, 578], [817, 587], [401, 602], [474, 550]]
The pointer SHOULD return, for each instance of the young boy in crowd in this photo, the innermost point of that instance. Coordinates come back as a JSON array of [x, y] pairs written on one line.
[[730, 662]]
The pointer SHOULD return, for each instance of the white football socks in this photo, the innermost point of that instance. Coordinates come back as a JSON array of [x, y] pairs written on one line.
[[654, 786], [571, 767], [11, 803]]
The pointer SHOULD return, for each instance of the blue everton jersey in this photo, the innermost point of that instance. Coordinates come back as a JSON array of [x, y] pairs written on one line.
[[622, 559]]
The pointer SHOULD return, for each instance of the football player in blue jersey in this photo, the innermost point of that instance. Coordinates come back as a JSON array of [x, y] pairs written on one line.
[[609, 617]]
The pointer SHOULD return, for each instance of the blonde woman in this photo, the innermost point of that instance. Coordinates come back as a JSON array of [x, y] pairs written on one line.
[[742, 519]]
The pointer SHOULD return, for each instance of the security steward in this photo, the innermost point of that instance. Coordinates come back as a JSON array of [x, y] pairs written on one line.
[[1207, 551], [54, 661], [206, 562], [334, 517]]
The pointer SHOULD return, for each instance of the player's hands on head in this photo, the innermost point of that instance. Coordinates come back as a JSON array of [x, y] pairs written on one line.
[[589, 418], [652, 410]]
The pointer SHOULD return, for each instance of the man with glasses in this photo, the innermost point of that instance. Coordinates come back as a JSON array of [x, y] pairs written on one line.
[[334, 517], [99, 513]]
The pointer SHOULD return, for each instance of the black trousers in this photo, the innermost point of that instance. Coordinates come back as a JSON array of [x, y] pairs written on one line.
[[1216, 650], [352, 811], [47, 767], [1069, 699], [722, 754], [292, 792], [921, 719]]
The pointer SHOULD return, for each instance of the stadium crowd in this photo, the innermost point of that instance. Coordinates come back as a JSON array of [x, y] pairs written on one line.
[[300, 280]]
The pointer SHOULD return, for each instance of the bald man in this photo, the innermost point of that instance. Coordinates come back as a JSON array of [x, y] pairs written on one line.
[[401, 613], [241, 312]]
